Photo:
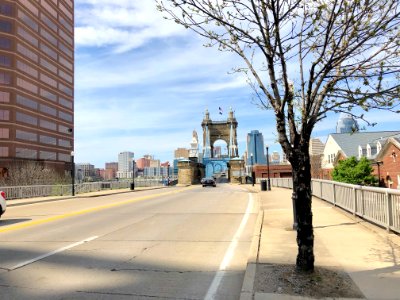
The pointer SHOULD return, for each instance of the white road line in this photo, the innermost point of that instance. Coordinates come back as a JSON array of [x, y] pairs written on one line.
[[52, 253], [212, 290]]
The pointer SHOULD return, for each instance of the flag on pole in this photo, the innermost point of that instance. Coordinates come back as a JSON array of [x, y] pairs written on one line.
[[220, 110]]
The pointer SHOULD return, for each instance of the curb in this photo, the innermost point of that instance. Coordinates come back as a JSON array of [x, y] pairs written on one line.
[[250, 274]]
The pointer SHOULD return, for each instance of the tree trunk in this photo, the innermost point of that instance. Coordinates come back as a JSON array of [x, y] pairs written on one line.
[[302, 201]]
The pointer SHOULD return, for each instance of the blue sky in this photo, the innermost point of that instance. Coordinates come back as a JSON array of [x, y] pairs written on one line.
[[142, 84]]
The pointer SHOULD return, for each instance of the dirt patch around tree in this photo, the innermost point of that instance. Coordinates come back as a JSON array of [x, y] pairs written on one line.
[[322, 283]]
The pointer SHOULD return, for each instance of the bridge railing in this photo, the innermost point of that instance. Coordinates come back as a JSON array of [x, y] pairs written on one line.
[[19, 192], [380, 206]]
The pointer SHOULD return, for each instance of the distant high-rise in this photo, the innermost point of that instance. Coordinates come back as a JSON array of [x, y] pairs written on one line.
[[346, 124], [255, 148], [125, 164], [36, 82], [181, 153]]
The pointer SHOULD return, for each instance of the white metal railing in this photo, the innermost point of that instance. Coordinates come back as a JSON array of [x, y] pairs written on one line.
[[19, 192], [380, 206]]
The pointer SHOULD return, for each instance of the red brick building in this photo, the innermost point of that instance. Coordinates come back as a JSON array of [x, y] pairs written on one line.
[[275, 171], [388, 161], [36, 83]]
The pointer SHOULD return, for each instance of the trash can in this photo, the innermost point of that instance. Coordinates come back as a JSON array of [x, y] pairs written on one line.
[[263, 185], [132, 186]]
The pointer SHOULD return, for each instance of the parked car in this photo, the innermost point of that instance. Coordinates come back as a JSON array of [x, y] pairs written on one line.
[[208, 182], [3, 204]]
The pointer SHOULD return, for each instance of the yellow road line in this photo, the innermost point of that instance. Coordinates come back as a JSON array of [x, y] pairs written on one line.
[[84, 211]]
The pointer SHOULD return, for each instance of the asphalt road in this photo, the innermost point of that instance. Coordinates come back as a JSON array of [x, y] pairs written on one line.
[[175, 243]]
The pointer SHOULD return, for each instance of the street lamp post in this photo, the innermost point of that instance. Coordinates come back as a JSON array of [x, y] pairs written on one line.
[[168, 174], [268, 178], [252, 172], [379, 163], [133, 175], [72, 173]]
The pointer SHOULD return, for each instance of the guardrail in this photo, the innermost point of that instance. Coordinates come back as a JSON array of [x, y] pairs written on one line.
[[380, 206], [19, 192]]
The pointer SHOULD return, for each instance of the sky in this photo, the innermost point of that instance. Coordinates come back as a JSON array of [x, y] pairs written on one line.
[[142, 84]]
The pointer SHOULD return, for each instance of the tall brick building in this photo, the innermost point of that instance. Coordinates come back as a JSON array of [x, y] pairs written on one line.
[[36, 82]]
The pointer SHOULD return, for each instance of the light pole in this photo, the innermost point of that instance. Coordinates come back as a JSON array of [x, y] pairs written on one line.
[[133, 175], [379, 163], [268, 178], [252, 172], [168, 174], [72, 173]]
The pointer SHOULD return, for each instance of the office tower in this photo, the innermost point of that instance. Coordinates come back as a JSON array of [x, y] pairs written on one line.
[[36, 83], [346, 124], [125, 164], [255, 148]]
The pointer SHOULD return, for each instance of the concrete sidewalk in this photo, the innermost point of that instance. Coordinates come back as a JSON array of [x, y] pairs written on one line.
[[26, 201], [368, 254]]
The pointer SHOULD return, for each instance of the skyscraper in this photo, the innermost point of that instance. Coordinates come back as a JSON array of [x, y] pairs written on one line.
[[346, 124], [255, 148], [36, 82], [125, 164]]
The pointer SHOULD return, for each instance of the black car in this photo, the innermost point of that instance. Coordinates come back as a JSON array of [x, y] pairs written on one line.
[[208, 181]]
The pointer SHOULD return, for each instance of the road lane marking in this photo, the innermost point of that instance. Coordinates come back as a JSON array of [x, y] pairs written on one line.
[[212, 290], [85, 211], [28, 262]]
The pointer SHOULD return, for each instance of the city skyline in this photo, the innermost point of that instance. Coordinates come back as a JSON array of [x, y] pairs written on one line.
[[143, 84]]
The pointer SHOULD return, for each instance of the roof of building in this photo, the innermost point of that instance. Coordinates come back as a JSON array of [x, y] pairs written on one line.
[[349, 142]]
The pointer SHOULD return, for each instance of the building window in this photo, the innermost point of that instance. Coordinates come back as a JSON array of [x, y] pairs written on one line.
[[26, 153], [48, 125], [30, 7], [48, 95], [65, 11], [49, 37], [27, 20], [5, 61], [65, 63], [48, 7], [5, 43], [65, 89], [5, 78], [5, 9], [48, 110], [48, 140], [4, 115], [4, 133], [27, 85], [27, 69], [24, 118], [4, 151], [49, 66], [65, 116], [66, 37], [5, 26], [27, 36], [65, 49], [50, 81], [66, 24], [48, 51], [64, 143], [48, 22], [64, 157], [27, 102], [47, 155], [65, 102], [4, 97], [65, 76], [27, 53], [26, 136]]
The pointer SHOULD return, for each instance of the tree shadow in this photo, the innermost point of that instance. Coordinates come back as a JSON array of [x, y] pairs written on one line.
[[6, 222]]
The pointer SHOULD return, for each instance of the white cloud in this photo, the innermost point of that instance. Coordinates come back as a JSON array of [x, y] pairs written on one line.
[[125, 25]]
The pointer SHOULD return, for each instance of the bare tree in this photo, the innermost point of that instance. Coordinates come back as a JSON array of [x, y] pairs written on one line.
[[315, 164], [303, 60], [32, 173]]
